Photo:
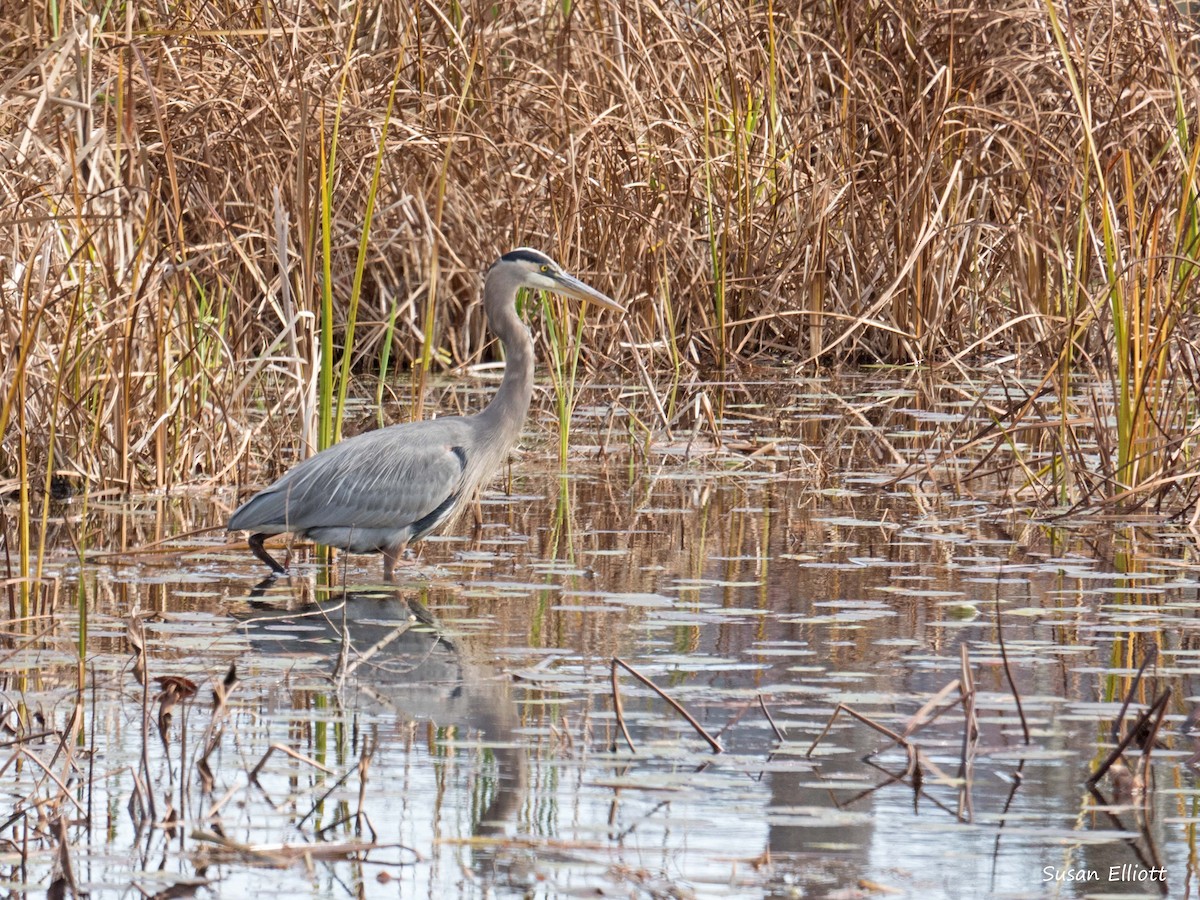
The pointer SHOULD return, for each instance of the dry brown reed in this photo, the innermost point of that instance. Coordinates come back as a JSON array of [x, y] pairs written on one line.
[[897, 182]]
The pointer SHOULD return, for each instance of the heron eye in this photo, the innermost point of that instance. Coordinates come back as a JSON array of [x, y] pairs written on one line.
[[545, 268]]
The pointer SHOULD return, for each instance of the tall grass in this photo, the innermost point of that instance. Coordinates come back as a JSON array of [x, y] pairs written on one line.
[[779, 182], [563, 351]]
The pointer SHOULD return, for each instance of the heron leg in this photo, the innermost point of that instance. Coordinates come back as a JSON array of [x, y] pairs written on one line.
[[256, 547]]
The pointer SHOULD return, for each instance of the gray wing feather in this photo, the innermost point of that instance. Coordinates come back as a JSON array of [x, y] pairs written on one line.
[[387, 478]]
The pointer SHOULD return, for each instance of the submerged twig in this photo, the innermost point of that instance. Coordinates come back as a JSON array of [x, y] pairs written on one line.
[[1012, 684], [288, 853]]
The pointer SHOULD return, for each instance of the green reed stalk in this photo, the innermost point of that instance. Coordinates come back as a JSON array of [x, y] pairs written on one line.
[[561, 536], [60, 375], [1158, 286], [321, 729], [1111, 250], [671, 330], [716, 242], [16, 398], [360, 264], [327, 417], [325, 382], [564, 366], [1080, 316], [669, 315], [47, 480], [385, 355], [774, 121], [213, 315]]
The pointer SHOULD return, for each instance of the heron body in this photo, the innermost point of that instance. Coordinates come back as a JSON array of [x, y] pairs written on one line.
[[385, 489]]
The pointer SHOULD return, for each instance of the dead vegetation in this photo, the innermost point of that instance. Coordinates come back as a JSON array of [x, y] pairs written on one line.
[[205, 202]]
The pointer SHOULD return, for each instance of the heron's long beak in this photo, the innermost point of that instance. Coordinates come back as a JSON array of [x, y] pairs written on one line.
[[570, 286]]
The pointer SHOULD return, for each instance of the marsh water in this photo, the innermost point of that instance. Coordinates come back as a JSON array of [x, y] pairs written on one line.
[[454, 734]]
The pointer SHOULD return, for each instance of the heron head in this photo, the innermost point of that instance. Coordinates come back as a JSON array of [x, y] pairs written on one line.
[[534, 269]]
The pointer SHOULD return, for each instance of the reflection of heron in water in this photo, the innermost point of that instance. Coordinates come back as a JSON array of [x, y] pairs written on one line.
[[391, 649]]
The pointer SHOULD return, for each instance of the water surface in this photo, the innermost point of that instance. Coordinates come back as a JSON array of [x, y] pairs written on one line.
[[462, 721]]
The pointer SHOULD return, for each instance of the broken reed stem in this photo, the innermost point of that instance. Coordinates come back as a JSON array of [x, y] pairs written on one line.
[[216, 808], [967, 691], [49, 773], [712, 741], [651, 392], [359, 818], [159, 547], [919, 720], [971, 725], [909, 747], [1158, 708], [1152, 737], [283, 855], [216, 728], [779, 732], [29, 738], [64, 883], [365, 656], [137, 638], [1151, 656], [618, 708], [294, 754], [1012, 684], [970, 735], [866, 720], [366, 755], [357, 767]]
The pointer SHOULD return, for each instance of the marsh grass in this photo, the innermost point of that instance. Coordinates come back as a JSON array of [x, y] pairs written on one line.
[[215, 219], [564, 347]]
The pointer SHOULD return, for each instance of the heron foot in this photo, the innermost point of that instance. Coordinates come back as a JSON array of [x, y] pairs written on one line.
[[256, 547], [263, 586], [400, 556]]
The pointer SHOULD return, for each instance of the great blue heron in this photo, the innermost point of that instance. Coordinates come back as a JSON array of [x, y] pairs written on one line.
[[385, 489]]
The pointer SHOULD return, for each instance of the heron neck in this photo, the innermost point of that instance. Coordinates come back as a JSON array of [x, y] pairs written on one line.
[[508, 408]]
